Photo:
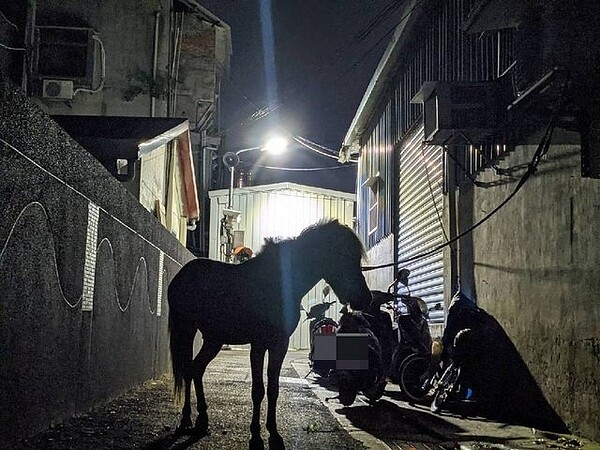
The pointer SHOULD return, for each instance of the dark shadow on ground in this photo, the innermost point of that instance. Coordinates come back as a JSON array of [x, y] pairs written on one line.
[[504, 388], [175, 440], [389, 421]]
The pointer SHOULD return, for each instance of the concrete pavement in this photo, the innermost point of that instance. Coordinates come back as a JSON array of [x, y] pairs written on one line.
[[146, 418]]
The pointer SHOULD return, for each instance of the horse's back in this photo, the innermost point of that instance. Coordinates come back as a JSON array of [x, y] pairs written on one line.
[[205, 290], [196, 277]]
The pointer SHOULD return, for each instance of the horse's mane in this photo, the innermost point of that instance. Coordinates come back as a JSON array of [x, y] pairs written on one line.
[[317, 230]]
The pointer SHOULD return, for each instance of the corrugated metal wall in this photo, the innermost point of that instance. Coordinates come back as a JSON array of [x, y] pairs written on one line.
[[412, 194], [282, 209], [441, 51], [420, 227]]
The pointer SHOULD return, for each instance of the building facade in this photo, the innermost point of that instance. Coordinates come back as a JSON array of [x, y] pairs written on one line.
[[163, 58], [478, 147]]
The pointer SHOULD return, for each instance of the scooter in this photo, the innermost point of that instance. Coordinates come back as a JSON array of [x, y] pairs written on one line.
[[372, 333], [322, 325], [411, 359], [363, 370]]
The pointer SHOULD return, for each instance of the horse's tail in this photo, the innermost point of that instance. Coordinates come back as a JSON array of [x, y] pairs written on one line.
[[181, 346]]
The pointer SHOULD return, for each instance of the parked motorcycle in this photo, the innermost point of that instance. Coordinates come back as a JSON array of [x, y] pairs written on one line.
[[322, 325], [365, 371], [414, 353], [465, 371]]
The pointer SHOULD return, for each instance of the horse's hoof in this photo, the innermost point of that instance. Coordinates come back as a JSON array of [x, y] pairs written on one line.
[[201, 427], [184, 427], [256, 443], [276, 442]]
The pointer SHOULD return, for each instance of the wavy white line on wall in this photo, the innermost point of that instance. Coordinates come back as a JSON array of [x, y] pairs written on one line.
[[53, 247], [141, 261], [105, 241]]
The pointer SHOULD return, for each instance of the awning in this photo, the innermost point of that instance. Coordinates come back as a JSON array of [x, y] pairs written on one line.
[[109, 138]]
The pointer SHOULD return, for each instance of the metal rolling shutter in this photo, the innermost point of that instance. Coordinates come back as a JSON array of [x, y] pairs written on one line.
[[419, 218]]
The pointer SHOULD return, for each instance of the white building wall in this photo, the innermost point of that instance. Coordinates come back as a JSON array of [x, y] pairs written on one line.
[[281, 209]]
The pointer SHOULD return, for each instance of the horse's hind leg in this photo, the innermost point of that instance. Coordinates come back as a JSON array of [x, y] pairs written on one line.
[[257, 358], [207, 353], [276, 356]]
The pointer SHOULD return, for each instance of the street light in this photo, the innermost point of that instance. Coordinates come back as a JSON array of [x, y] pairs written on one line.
[[275, 145]]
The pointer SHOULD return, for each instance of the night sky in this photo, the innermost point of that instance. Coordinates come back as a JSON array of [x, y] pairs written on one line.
[[325, 53]]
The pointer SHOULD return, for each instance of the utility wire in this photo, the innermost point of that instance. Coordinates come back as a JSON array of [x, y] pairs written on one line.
[[318, 148], [261, 113], [298, 169]]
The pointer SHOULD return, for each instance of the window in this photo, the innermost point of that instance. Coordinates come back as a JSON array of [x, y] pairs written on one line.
[[374, 185]]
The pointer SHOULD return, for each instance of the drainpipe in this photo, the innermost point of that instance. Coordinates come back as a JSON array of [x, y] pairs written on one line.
[[29, 36], [154, 64], [452, 221]]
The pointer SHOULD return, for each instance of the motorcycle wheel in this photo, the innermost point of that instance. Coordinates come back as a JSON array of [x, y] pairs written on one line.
[[445, 387], [398, 357], [411, 374]]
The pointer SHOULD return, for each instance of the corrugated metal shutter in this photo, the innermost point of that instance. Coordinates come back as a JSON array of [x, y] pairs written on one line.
[[420, 218]]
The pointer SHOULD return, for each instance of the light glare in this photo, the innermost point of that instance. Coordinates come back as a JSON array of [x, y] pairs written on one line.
[[276, 145]]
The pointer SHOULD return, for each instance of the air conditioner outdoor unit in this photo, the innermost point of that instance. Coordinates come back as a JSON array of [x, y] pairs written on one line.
[[468, 111], [57, 89]]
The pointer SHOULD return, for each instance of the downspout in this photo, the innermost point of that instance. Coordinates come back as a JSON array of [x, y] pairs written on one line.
[[452, 222], [154, 64], [28, 39]]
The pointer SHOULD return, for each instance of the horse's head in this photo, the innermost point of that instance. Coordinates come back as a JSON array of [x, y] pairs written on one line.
[[340, 253]]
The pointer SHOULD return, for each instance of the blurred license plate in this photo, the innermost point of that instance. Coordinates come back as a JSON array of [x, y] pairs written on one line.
[[341, 351]]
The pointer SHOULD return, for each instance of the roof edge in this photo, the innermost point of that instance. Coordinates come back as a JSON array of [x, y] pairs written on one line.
[[378, 83], [286, 186]]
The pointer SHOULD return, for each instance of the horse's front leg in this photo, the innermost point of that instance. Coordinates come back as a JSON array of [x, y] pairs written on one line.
[[257, 358], [207, 353], [276, 356]]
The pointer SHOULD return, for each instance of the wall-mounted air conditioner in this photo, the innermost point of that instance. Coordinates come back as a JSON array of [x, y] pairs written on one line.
[[57, 89], [468, 111], [63, 61]]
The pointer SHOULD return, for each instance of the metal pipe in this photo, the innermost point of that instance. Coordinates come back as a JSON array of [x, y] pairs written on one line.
[[231, 177], [29, 36], [154, 64]]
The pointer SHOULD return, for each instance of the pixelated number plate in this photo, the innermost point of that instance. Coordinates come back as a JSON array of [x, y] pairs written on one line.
[[342, 351]]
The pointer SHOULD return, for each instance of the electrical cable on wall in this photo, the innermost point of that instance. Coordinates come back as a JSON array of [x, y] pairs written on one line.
[[103, 70], [437, 211], [8, 21]]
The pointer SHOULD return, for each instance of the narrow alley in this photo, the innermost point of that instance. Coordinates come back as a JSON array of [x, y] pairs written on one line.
[[147, 417]]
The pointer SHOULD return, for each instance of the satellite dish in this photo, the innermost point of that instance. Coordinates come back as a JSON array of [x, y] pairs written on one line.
[[230, 159]]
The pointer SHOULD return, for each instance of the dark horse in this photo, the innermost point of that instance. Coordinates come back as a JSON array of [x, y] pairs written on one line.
[[257, 302]]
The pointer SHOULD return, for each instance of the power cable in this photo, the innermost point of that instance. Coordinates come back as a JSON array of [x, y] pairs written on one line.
[[261, 113], [298, 169], [318, 148], [437, 211]]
